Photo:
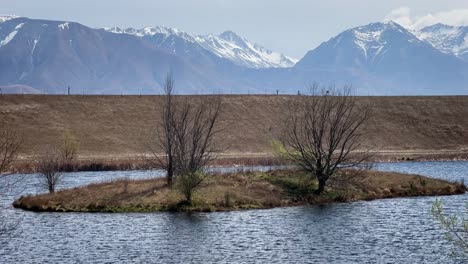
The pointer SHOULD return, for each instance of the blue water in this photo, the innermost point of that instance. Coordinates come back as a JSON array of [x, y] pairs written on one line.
[[382, 231]]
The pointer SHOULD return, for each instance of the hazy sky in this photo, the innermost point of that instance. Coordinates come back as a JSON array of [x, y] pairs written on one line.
[[292, 27]]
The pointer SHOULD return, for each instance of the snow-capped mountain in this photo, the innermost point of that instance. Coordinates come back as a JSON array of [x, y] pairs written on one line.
[[385, 55], [227, 45], [361, 47], [52, 55], [448, 39], [149, 31], [241, 51], [44, 56]]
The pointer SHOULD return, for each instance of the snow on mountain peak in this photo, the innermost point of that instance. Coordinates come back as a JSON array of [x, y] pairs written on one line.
[[373, 38], [115, 30], [234, 38], [64, 26], [373, 31], [448, 39], [227, 45], [150, 31], [118, 30], [4, 18], [369, 37], [229, 35], [231, 46], [438, 26]]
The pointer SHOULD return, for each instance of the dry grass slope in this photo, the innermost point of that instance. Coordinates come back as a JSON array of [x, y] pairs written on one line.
[[121, 126]]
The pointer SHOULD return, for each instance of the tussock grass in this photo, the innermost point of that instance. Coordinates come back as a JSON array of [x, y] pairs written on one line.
[[125, 164], [237, 192]]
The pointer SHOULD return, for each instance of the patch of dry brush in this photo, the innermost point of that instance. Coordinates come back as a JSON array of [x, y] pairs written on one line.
[[236, 192]]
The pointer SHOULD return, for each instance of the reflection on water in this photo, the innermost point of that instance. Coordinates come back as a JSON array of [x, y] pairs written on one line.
[[383, 231]]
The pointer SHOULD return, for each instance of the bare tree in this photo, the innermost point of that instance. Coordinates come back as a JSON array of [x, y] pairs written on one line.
[[185, 134], [195, 128], [10, 147], [164, 133], [48, 168], [323, 133]]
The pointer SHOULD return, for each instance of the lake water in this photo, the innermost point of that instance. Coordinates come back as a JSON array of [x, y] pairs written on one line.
[[383, 231]]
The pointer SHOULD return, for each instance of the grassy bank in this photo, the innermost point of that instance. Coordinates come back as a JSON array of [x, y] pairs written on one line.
[[138, 163], [236, 192]]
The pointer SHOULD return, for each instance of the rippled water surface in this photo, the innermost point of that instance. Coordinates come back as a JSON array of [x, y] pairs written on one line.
[[383, 231]]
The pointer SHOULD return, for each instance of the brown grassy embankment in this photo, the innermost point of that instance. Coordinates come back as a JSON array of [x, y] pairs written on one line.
[[236, 192], [118, 129]]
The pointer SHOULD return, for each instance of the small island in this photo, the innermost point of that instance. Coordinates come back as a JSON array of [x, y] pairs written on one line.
[[236, 191]]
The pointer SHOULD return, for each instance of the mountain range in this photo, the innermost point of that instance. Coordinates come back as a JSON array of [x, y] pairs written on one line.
[[448, 39], [44, 56], [227, 45]]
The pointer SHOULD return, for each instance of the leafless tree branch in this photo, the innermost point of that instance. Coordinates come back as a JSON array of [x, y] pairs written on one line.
[[10, 147], [185, 134], [323, 132], [49, 170]]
